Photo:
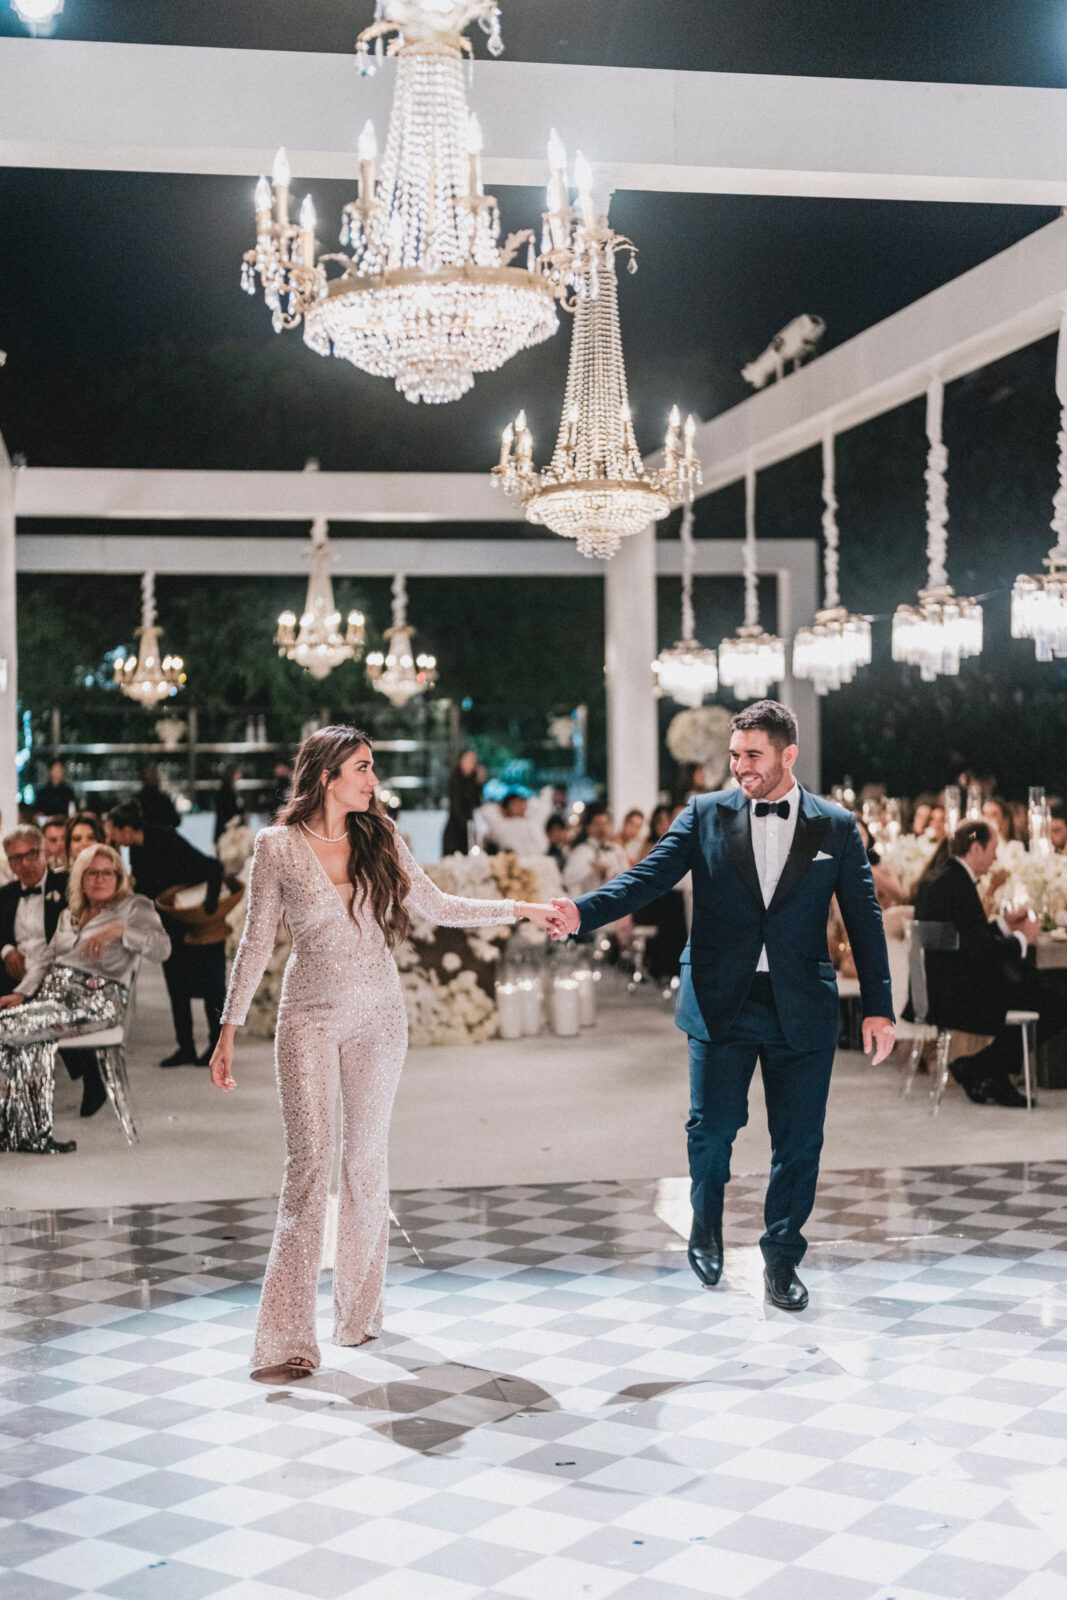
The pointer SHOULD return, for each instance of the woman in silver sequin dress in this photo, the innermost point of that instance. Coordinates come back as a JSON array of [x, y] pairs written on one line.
[[345, 880], [97, 945]]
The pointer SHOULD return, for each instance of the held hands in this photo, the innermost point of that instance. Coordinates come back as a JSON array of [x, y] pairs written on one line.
[[540, 916], [878, 1035], [221, 1064], [15, 964], [95, 942], [7, 1000], [565, 919]]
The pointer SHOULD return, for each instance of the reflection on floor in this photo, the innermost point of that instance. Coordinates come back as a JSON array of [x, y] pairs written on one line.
[[555, 1409]]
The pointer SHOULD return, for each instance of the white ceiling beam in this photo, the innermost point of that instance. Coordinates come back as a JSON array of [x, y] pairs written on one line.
[[181, 556], [1000, 306], [158, 108], [190, 496]]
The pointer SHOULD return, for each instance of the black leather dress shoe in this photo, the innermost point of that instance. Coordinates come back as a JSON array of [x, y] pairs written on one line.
[[180, 1058], [784, 1287], [981, 1092], [93, 1091], [1003, 1093], [705, 1255]]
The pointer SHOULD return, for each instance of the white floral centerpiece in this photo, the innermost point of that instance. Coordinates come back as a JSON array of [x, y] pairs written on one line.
[[908, 856], [700, 737], [1033, 880]]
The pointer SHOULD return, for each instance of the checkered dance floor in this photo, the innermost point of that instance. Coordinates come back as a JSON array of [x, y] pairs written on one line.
[[556, 1410]]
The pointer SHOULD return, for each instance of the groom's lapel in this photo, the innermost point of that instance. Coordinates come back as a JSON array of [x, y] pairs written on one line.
[[810, 829], [737, 832]]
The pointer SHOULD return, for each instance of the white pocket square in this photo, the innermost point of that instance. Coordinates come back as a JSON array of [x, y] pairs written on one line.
[[822, 856]]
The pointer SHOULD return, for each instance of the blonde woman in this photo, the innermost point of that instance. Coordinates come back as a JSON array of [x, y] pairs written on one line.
[[83, 990]]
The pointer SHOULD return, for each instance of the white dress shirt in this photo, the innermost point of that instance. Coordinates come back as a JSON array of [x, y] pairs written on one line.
[[590, 865], [772, 839], [523, 835], [30, 941]]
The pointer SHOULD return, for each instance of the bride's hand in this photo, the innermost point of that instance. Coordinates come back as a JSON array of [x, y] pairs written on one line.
[[538, 915]]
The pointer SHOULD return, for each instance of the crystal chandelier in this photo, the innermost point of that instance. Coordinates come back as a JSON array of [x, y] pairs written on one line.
[[400, 675], [752, 660], [316, 642], [147, 677], [942, 630], [1039, 603], [426, 295], [838, 643], [688, 672], [595, 489]]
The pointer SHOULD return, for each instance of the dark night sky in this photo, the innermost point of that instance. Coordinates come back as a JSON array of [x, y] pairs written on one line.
[[130, 344]]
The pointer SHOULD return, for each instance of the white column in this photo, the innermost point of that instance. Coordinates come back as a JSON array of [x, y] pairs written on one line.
[[797, 604], [630, 648], [8, 645]]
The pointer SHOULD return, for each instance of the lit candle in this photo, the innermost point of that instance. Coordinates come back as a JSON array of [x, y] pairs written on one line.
[[368, 153], [509, 1010], [583, 177], [586, 996], [565, 1013], [282, 177], [474, 155], [307, 231], [690, 436], [674, 422], [530, 992], [506, 440]]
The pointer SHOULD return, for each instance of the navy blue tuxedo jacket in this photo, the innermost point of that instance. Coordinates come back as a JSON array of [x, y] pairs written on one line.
[[712, 839]]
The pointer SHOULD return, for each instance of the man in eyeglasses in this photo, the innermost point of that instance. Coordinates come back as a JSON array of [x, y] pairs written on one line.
[[30, 909]]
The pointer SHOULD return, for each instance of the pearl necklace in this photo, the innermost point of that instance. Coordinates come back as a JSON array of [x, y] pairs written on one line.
[[324, 836]]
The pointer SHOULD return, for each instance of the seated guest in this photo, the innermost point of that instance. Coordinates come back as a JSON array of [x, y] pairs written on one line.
[[228, 801], [920, 817], [83, 989], [556, 834], [596, 856], [511, 829], [631, 835], [998, 812], [937, 821], [54, 796], [658, 823], [464, 798], [1057, 826], [82, 828], [161, 859], [30, 909], [55, 832], [157, 807], [970, 989]]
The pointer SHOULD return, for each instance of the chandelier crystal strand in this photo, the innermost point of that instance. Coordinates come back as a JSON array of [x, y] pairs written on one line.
[[943, 629], [688, 672], [316, 642], [1039, 603], [596, 489], [401, 675], [752, 660], [837, 644], [147, 677], [426, 294]]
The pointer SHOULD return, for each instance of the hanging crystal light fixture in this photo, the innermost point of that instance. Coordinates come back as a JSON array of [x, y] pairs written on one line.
[[1039, 603], [837, 644], [316, 641], [148, 677], [943, 629], [426, 295], [596, 489], [401, 675], [688, 672], [752, 660]]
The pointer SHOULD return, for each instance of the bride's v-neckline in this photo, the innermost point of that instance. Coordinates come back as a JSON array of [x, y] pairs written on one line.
[[343, 890]]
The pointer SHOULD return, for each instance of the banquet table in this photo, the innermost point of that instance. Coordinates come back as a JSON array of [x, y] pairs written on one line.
[[1050, 959]]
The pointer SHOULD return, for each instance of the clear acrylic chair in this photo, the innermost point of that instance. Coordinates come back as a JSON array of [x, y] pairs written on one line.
[[924, 937], [109, 1047]]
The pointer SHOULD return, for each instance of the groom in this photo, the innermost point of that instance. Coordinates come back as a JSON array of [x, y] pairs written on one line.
[[757, 982]]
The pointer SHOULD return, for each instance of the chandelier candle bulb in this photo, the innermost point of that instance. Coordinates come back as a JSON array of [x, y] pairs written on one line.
[[583, 178], [307, 231], [263, 201], [474, 156], [282, 178]]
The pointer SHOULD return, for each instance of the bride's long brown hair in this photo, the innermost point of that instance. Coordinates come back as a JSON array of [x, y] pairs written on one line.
[[374, 869]]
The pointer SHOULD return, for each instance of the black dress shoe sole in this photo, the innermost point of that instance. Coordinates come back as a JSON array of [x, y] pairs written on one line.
[[708, 1274]]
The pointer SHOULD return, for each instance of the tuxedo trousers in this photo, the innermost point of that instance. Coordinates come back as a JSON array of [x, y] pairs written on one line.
[[795, 1087]]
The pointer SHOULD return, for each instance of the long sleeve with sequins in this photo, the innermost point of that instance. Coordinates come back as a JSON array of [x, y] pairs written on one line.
[[260, 930], [449, 910]]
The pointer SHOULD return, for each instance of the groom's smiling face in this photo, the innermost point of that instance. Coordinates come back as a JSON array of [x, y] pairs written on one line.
[[764, 771]]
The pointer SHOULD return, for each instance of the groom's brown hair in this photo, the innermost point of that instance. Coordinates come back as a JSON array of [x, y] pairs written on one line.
[[775, 720]]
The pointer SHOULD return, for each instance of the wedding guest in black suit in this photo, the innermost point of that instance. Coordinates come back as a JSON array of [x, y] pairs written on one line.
[[556, 833], [55, 795], [161, 859], [228, 802], [54, 829], [464, 798], [970, 990], [157, 807]]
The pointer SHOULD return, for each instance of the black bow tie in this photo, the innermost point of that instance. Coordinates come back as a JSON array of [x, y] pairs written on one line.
[[764, 808], [24, 892]]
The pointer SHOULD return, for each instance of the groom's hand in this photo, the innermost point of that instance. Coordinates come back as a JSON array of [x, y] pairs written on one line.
[[878, 1035], [565, 920]]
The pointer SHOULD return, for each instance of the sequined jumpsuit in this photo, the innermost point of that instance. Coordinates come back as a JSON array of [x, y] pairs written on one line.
[[341, 1020]]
